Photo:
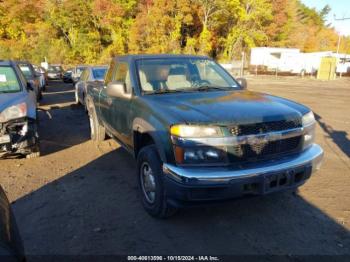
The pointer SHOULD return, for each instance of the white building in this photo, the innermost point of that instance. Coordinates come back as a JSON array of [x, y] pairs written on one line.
[[293, 61]]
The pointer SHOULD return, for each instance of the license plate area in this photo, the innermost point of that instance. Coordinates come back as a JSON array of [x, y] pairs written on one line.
[[285, 179], [5, 139]]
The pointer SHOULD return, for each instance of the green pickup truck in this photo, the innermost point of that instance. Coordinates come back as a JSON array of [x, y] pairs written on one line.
[[198, 135]]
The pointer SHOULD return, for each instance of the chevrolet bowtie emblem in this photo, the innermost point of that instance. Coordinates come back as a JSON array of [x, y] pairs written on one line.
[[257, 144]]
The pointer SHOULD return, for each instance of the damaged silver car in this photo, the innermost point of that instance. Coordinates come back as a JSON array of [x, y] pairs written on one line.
[[18, 113]]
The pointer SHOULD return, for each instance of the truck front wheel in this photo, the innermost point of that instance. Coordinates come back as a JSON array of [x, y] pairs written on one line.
[[151, 186]]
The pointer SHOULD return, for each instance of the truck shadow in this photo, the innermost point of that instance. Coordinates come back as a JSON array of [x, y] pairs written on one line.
[[96, 210], [339, 137]]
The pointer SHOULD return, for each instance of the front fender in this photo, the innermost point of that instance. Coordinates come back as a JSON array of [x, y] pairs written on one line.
[[159, 134], [92, 102]]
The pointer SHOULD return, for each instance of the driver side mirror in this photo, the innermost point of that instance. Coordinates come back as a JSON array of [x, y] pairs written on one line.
[[30, 86], [242, 82], [117, 89]]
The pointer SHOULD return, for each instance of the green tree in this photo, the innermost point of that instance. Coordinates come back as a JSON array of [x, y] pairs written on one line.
[[247, 29], [113, 20], [158, 26], [91, 31]]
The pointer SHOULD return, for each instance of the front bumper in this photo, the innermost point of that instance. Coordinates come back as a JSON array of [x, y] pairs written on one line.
[[18, 136], [218, 183]]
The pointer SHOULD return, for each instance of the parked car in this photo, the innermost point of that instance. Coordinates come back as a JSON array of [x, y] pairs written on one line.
[[11, 246], [55, 72], [90, 74], [18, 117], [67, 76], [77, 71], [41, 72], [197, 134], [31, 76]]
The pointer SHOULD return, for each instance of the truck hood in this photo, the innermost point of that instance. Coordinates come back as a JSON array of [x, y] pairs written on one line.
[[222, 107], [10, 99]]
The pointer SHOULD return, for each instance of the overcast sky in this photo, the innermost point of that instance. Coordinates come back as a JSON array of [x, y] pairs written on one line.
[[340, 8]]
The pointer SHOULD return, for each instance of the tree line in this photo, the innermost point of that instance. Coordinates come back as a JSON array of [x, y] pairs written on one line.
[[91, 31]]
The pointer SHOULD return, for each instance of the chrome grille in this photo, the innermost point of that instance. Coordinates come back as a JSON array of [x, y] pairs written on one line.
[[264, 150], [266, 127]]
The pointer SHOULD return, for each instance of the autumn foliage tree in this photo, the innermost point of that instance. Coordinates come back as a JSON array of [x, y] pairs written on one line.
[[92, 31]]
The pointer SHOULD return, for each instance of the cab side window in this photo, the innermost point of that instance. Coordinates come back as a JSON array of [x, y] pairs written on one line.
[[85, 75], [122, 75], [82, 76], [110, 73]]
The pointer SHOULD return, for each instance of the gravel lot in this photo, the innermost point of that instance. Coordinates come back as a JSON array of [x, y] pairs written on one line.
[[79, 198]]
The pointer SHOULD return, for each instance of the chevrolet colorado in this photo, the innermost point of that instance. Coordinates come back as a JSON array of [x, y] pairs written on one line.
[[197, 134]]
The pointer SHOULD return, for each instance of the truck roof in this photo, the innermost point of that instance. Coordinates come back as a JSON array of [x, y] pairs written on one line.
[[6, 62]]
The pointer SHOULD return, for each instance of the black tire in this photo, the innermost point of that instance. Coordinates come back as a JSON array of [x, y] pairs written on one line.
[[76, 98], [159, 208], [35, 152], [85, 105], [97, 131], [40, 95]]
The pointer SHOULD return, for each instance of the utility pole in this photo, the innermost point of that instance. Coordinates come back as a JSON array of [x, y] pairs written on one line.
[[338, 44], [242, 64], [339, 36]]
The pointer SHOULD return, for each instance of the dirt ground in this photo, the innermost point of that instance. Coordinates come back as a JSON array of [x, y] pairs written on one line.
[[82, 199]]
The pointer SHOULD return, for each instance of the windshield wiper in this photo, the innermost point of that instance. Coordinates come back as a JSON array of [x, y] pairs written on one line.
[[165, 91], [207, 87], [201, 88], [7, 91]]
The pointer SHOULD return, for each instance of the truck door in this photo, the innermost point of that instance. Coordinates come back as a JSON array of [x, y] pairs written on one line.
[[104, 101], [120, 106]]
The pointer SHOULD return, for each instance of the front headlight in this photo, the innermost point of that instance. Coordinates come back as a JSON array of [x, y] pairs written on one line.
[[195, 131], [187, 154], [308, 119], [202, 155], [309, 125], [13, 112]]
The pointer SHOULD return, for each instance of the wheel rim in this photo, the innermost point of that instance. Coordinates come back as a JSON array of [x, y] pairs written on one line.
[[148, 183], [92, 129]]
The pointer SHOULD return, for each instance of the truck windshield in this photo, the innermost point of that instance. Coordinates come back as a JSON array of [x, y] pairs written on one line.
[[8, 80], [183, 75], [99, 73]]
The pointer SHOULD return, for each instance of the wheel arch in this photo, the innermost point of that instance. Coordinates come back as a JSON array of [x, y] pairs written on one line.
[[90, 104], [145, 134]]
